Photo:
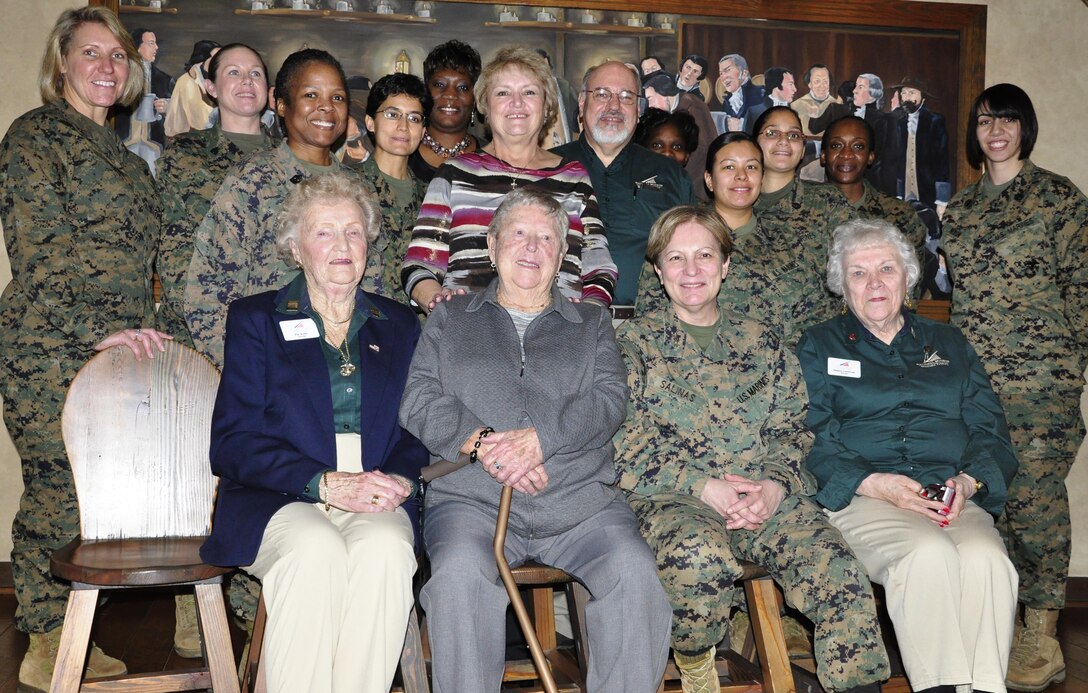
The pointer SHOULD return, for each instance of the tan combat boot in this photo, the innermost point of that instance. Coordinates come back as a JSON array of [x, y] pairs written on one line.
[[797, 643], [186, 632], [697, 672], [1036, 659], [36, 669]]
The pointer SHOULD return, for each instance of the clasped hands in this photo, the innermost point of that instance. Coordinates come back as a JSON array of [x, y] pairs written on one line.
[[513, 458], [744, 503], [365, 492]]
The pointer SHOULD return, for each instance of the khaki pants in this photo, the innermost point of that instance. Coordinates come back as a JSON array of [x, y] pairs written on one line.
[[338, 589], [951, 592]]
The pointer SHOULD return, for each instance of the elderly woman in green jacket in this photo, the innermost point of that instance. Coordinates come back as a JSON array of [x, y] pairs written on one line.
[[912, 458]]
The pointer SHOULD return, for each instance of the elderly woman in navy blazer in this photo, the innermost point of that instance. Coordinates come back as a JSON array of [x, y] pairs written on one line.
[[316, 497]]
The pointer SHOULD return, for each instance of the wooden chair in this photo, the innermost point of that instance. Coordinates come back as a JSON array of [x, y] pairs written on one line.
[[137, 435], [413, 667]]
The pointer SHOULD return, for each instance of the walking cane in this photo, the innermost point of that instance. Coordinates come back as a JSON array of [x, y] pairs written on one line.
[[542, 667]]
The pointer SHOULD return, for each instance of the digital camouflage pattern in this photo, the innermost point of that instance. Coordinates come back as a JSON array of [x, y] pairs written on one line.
[[876, 205], [737, 407], [397, 223], [80, 215], [1020, 259], [234, 247], [777, 273], [189, 174]]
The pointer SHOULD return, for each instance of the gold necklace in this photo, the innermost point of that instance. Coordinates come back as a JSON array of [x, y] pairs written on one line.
[[346, 366]]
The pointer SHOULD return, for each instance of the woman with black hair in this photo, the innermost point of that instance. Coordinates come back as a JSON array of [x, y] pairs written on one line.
[[234, 252], [1019, 239], [674, 135], [450, 72]]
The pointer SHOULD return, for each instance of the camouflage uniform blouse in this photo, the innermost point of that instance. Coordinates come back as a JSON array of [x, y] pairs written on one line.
[[234, 248], [190, 172], [1021, 267], [738, 407], [397, 223], [777, 274], [81, 217]]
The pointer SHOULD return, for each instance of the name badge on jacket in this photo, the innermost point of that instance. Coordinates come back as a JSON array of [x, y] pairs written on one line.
[[294, 330], [844, 368]]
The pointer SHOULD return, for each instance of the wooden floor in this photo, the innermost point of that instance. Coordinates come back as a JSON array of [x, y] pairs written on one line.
[[138, 627]]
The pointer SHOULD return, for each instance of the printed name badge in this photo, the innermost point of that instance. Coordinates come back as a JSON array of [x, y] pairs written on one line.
[[293, 330], [844, 368]]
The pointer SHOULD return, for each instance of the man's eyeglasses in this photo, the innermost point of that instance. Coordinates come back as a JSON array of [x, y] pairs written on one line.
[[395, 115], [604, 95]]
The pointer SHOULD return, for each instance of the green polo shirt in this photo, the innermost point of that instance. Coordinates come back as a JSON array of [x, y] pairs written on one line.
[[632, 192]]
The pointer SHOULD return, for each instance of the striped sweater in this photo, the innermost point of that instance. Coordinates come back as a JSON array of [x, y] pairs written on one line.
[[449, 241]]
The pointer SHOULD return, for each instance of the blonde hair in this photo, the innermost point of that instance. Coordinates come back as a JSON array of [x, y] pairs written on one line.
[[663, 229], [51, 79], [530, 61]]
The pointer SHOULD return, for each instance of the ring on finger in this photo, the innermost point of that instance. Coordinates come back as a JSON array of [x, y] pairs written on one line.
[[497, 466], [138, 333], [374, 499]]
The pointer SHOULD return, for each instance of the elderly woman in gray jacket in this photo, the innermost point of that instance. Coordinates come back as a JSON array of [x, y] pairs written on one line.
[[532, 387]]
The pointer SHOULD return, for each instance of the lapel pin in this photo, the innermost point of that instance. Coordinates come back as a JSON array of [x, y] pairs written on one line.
[[375, 348]]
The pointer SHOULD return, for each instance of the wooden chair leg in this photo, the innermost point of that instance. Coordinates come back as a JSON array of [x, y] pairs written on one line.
[[212, 613], [765, 616], [544, 617], [253, 669], [74, 641], [413, 667], [578, 622]]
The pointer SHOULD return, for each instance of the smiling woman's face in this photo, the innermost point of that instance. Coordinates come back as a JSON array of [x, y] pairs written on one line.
[[332, 245], [451, 91], [318, 113]]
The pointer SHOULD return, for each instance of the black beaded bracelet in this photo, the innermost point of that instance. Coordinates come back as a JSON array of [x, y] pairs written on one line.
[[473, 456]]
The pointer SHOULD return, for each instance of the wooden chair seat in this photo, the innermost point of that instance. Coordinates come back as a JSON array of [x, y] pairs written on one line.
[[133, 562]]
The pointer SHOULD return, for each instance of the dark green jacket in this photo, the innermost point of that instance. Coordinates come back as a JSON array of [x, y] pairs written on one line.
[[921, 407]]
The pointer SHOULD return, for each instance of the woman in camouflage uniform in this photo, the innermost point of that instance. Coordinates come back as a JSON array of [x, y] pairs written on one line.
[[1019, 241], [797, 218], [197, 161], [80, 216]]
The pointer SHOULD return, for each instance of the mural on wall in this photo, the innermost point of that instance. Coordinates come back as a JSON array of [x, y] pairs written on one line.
[[375, 37]]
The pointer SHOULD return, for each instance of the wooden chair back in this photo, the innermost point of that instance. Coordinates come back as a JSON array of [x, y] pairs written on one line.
[[137, 435]]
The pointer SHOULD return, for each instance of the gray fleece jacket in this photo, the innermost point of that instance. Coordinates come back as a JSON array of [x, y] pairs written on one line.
[[468, 372]]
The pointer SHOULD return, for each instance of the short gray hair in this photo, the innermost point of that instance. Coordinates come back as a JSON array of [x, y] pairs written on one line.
[[524, 197], [738, 60], [324, 188], [868, 233]]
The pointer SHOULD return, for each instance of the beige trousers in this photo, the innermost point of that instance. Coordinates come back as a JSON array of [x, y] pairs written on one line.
[[951, 592], [338, 589]]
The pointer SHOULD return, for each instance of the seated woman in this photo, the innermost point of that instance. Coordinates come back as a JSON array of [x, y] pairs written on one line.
[[532, 386], [899, 402], [315, 493], [517, 93], [710, 456]]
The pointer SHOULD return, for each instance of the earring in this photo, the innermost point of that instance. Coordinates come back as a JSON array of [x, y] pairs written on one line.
[[492, 265], [909, 303], [844, 308], [472, 118]]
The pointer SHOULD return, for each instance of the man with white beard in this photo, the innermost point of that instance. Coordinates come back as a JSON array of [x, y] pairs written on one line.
[[633, 185]]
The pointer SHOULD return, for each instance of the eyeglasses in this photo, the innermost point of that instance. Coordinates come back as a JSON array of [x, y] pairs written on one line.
[[604, 95], [791, 135], [395, 115]]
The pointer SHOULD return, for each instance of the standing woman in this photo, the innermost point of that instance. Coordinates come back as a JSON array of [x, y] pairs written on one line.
[[80, 216], [450, 72], [234, 248], [1019, 238], [197, 161], [801, 215]]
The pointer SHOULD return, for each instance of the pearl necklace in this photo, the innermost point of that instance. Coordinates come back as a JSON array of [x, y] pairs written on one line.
[[444, 152]]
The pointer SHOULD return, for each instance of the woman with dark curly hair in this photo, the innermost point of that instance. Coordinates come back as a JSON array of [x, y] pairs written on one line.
[[674, 135], [450, 72]]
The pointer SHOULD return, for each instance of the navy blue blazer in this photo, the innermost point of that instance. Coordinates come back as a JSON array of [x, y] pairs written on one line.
[[272, 426]]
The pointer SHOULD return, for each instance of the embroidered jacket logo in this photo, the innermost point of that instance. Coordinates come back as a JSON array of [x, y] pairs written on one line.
[[933, 359]]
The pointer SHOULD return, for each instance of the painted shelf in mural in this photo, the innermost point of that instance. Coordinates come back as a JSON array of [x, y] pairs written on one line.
[[363, 17], [580, 28], [143, 9]]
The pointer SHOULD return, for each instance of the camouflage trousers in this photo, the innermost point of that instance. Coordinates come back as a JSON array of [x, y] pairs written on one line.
[[34, 388], [1046, 430], [697, 561]]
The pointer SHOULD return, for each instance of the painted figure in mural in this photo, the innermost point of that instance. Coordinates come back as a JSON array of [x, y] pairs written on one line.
[[1018, 239], [779, 87], [661, 92], [81, 219], [691, 77], [918, 161], [812, 104], [736, 93], [190, 105], [158, 83]]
